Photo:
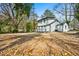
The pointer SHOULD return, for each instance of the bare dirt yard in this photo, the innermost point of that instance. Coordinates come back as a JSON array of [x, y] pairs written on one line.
[[39, 44]]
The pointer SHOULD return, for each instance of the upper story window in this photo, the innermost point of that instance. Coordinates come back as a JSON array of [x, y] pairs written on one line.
[[44, 20]]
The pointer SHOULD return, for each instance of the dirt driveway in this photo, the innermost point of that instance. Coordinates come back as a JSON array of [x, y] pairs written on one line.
[[39, 44]]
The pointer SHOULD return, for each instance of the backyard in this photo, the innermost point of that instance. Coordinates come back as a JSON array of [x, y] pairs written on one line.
[[39, 44]]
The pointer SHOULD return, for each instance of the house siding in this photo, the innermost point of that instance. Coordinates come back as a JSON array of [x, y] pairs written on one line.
[[53, 26], [65, 28], [43, 27], [50, 25]]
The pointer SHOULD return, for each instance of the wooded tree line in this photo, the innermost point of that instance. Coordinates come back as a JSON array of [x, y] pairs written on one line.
[[14, 17]]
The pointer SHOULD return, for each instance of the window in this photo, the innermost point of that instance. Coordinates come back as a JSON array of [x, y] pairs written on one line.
[[65, 26]]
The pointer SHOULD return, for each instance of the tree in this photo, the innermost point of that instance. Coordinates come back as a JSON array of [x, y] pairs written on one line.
[[48, 13], [34, 25], [22, 11], [15, 13], [33, 18], [77, 11], [66, 13], [28, 26]]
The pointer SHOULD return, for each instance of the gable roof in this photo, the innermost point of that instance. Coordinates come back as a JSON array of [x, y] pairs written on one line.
[[48, 24], [46, 18], [62, 23]]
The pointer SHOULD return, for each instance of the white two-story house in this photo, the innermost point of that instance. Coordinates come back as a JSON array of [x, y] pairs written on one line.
[[50, 24]]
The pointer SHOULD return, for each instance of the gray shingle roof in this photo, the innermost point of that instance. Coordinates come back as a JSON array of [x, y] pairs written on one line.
[[45, 18]]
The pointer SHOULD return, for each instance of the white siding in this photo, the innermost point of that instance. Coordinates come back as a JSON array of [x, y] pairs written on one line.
[[65, 28], [60, 28], [52, 27], [47, 28], [45, 22]]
